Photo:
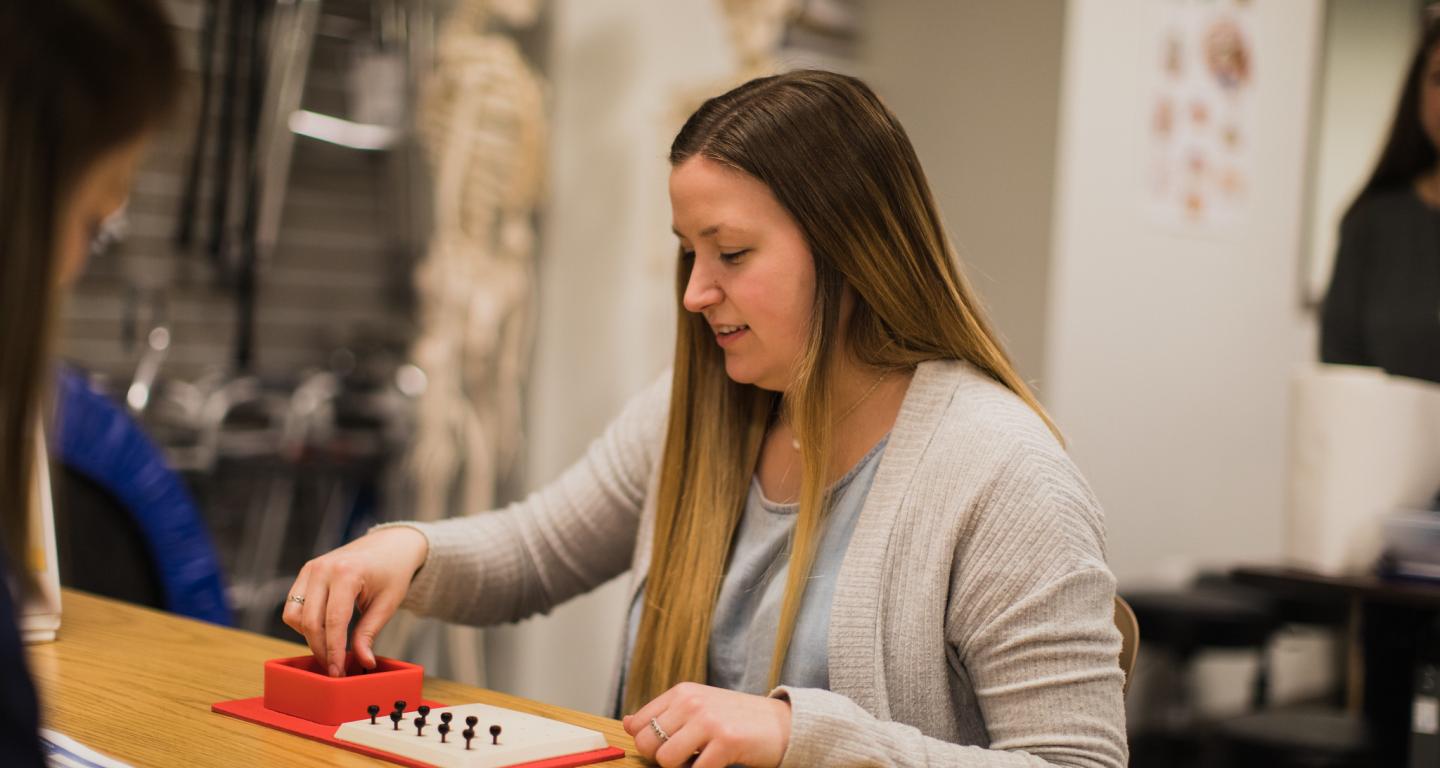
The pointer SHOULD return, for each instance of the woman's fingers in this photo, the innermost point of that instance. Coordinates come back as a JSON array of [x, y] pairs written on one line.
[[339, 604], [712, 757], [640, 721], [291, 613], [685, 740], [647, 742], [375, 570], [712, 727], [312, 616], [375, 615]]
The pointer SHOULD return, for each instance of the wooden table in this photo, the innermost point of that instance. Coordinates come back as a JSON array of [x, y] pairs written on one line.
[[137, 684]]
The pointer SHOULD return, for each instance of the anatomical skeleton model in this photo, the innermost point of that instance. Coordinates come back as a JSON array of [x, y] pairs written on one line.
[[481, 121]]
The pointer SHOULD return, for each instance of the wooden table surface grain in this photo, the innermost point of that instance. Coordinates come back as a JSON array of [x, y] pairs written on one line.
[[137, 684]]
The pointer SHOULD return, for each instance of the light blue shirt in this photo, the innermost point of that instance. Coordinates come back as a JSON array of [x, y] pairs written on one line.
[[747, 610]]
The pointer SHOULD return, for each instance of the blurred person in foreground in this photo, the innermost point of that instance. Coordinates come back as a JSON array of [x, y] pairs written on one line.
[[83, 83]]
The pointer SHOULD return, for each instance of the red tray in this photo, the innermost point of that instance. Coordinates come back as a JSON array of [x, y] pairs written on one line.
[[301, 699]]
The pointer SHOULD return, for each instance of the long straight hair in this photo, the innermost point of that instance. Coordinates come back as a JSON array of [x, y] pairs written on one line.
[[78, 79], [838, 161], [1408, 150]]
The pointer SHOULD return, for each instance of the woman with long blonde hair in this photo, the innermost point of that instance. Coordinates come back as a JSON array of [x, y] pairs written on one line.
[[854, 536]]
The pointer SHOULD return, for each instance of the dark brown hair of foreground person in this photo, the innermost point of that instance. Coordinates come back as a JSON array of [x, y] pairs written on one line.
[[78, 78]]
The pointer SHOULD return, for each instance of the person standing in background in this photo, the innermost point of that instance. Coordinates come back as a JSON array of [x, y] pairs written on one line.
[[1383, 305], [82, 85]]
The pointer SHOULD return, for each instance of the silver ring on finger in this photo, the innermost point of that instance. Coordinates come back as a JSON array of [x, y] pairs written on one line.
[[659, 732], [297, 599]]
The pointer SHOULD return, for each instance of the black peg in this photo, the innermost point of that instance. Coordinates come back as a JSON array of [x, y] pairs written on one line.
[[373, 709], [468, 733], [395, 718], [445, 717], [495, 734], [419, 726], [443, 729], [400, 706], [471, 721], [423, 710]]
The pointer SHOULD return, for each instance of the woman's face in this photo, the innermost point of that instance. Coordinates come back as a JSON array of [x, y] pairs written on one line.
[[753, 276], [1430, 96], [100, 192]]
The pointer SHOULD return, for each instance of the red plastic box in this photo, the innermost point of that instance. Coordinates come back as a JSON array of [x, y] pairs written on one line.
[[299, 686]]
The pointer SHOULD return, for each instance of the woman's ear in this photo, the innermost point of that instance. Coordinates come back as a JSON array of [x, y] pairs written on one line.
[[98, 196]]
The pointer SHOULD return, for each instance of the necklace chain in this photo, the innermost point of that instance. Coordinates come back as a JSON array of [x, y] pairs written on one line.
[[795, 441]]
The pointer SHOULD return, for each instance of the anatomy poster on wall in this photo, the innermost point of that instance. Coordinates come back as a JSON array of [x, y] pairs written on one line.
[[1200, 112]]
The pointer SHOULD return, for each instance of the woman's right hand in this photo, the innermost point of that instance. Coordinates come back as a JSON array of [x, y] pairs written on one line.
[[373, 573]]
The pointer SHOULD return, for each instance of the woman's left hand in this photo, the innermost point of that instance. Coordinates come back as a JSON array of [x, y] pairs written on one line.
[[714, 726]]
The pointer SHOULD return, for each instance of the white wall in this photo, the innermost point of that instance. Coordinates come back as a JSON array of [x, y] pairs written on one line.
[[606, 281], [977, 86], [1169, 355]]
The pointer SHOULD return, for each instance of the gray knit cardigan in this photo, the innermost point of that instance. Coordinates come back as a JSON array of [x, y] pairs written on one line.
[[973, 621]]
